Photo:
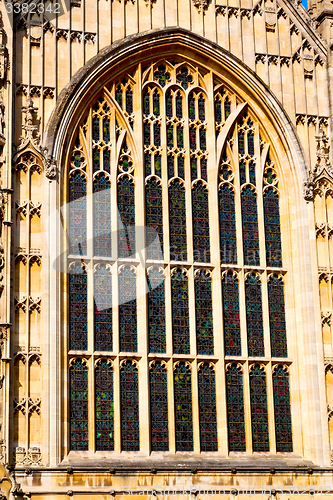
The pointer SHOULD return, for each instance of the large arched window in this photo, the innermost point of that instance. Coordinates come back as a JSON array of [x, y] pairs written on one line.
[[176, 285]]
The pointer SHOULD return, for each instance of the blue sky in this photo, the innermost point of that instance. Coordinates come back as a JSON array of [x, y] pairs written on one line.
[[304, 2]]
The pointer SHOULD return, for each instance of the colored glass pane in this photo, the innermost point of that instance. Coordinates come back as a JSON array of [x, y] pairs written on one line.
[[162, 75], [204, 313], [78, 318], [103, 308], [252, 172], [78, 375], [203, 168], [127, 310], [102, 216], [125, 163], [231, 321], [129, 101], [169, 104], [106, 130], [78, 214], [207, 408], [156, 311], [181, 167], [179, 106], [147, 133], [250, 143], [119, 96], [180, 136], [96, 160], [270, 176], [156, 103], [184, 78], [177, 221], [126, 211], [78, 159], [191, 108], [147, 164], [200, 217], [104, 407], [171, 166], [157, 134], [154, 220], [250, 227], [193, 138], [159, 407], [202, 136], [259, 412], [277, 319], [272, 228], [146, 102], [170, 136], [158, 165], [201, 108], [228, 240], [218, 110], [227, 108], [183, 408], [235, 409], [95, 128], [129, 405], [254, 316], [282, 413], [242, 173], [180, 313], [241, 146], [106, 160], [194, 170]]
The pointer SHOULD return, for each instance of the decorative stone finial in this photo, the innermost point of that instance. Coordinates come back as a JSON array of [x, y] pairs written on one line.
[[201, 5]]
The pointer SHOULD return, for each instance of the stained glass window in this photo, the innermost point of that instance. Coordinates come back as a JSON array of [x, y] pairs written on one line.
[[78, 214], [184, 78], [179, 106], [129, 101], [232, 334], [157, 134], [191, 107], [203, 168], [242, 172], [181, 167], [235, 408], [259, 412], [250, 143], [218, 110], [202, 135], [146, 102], [106, 160], [106, 130], [241, 146], [78, 375], [170, 136], [277, 320], [147, 133], [171, 166], [119, 96], [154, 220], [200, 215], [180, 313], [207, 408], [103, 307], [127, 310], [252, 172], [183, 407], [104, 406], [272, 228], [201, 108], [95, 128], [162, 75], [169, 104], [156, 311], [194, 173], [126, 211], [227, 108], [177, 221], [250, 227], [148, 164], [254, 317], [204, 313], [129, 403], [158, 165], [159, 407], [180, 137], [283, 432], [156, 103], [78, 319], [228, 240], [193, 138], [102, 216]]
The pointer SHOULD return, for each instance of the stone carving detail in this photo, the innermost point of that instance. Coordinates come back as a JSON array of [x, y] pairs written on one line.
[[201, 5], [32, 457], [51, 168], [323, 154], [326, 318], [2, 265], [30, 130]]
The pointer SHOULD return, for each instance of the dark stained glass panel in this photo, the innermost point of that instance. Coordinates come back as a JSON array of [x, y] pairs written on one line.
[[183, 408], [254, 316], [235, 409], [78, 315], [159, 407], [218, 110], [207, 408], [277, 319], [204, 313], [154, 220], [177, 221], [200, 216], [180, 313], [282, 414], [103, 308], [78, 374], [228, 240], [272, 228], [127, 310], [102, 216], [156, 311], [259, 412], [250, 227], [104, 407], [78, 214], [232, 334], [126, 211], [129, 404]]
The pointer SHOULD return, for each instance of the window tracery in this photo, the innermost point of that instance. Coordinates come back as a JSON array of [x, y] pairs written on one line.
[[175, 201]]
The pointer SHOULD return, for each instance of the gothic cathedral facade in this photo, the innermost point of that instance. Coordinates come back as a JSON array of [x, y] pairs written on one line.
[[166, 249]]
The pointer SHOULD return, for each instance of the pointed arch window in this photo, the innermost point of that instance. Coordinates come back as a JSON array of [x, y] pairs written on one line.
[[250, 227], [159, 407], [126, 210], [104, 406], [78, 374], [154, 219], [200, 214], [272, 228], [235, 408], [207, 408], [183, 407], [102, 216], [228, 238], [129, 406], [177, 221]]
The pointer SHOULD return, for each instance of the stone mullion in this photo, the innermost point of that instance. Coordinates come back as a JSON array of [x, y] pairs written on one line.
[[247, 407]]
